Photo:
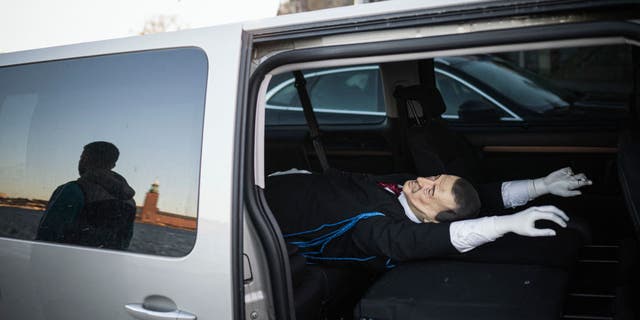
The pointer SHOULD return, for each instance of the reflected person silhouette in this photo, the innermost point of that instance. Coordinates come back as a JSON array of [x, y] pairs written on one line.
[[95, 210]]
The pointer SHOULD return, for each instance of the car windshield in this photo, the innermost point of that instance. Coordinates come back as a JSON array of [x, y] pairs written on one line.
[[519, 86]]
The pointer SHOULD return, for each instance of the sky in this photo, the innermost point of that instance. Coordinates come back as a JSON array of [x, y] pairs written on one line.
[[30, 24]]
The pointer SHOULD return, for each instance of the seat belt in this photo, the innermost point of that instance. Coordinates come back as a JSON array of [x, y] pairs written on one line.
[[312, 122], [402, 104]]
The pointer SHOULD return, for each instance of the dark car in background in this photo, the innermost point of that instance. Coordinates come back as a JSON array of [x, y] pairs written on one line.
[[504, 92]]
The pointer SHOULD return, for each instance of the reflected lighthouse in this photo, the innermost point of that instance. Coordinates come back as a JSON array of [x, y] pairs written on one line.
[[150, 207], [150, 213]]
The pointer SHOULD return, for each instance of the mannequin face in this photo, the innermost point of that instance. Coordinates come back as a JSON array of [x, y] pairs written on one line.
[[428, 196]]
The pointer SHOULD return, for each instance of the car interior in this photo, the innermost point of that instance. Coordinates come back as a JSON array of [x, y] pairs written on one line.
[[488, 116]]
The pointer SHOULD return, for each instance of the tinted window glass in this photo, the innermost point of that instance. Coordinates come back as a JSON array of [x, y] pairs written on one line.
[[338, 96], [354, 90], [286, 97], [103, 151], [456, 94], [513, 84], [587, 84]]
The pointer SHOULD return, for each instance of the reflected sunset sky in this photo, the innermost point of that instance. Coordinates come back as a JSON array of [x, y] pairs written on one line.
[[149, 104]]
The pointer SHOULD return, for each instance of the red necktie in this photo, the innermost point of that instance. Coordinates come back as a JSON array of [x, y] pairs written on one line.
[[391, 187]]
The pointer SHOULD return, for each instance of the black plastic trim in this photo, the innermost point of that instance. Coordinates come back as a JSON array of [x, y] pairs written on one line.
[[448, 14], [635, 105], [239, 151], [474, 39]]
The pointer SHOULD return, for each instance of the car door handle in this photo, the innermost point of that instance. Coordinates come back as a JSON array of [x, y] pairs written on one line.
[[140, 312]]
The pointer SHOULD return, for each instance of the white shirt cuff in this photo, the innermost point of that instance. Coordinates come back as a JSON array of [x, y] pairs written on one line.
[[515, 193]]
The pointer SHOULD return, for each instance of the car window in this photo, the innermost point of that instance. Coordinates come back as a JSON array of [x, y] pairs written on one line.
[[338, 96], [456, 93], [103, 151], [540, 86], [515, 85]]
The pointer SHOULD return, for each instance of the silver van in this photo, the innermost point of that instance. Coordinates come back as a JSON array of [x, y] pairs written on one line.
[[194, 121]]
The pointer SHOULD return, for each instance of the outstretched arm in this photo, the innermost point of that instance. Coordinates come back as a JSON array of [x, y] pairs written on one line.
[[560, 182], [468, 234], [402, 240]]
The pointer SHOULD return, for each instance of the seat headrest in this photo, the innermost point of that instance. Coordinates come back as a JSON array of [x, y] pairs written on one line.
[[429, 98]]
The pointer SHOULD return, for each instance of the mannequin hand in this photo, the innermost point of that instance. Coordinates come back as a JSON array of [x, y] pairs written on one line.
[[561, 183], [523, 222]]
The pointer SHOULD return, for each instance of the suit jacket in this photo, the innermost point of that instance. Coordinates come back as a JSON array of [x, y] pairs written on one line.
[[339, 217]]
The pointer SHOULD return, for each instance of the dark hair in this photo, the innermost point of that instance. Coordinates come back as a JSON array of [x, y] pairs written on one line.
[[101, 154], [467, 202]]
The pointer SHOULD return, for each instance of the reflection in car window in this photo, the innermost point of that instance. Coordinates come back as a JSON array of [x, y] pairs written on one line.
[[338, 96], [514, 85], [148, 106], [355, 90], [287, 96], [455, 94], [97, 209], [558, 85]]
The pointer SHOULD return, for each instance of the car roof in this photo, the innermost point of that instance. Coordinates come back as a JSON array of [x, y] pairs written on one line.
[[353, 12]]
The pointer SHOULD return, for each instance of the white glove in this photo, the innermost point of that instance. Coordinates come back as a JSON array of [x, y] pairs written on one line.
[[523, 222], [466, 235], [560, 182]]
